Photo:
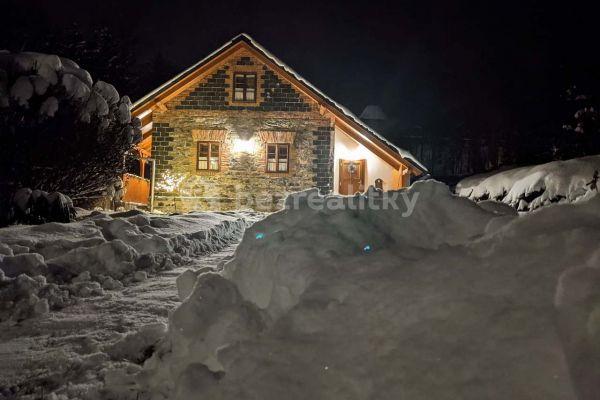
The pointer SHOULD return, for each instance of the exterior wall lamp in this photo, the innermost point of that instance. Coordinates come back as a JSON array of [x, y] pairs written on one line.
[[244, 146]]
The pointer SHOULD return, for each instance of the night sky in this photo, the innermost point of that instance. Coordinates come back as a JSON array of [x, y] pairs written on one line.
[[445, 64]]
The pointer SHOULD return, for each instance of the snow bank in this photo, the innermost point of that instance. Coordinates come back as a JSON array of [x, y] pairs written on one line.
[[451, 302], [54, 262], [528, 188], [24, 296]]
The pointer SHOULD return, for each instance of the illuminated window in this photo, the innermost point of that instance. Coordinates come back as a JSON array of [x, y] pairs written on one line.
[[208, 156], [244, 87], [278, 159]]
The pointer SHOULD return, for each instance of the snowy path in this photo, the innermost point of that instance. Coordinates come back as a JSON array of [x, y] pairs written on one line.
[[43, 351]]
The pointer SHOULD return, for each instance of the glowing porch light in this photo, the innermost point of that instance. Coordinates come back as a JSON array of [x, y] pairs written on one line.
[[354, 152], [244, 146]]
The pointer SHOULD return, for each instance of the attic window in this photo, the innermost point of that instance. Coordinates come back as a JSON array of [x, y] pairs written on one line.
[[244, 87]]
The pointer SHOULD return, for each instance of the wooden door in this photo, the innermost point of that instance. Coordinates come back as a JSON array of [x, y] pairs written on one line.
[[352, 176]]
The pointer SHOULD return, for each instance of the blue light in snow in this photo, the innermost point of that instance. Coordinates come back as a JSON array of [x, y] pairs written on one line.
[[260, 235], [367, 248]]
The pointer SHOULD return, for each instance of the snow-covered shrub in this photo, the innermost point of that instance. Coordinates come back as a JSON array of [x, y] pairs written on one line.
[[529, 188], [60, 131], [37, 206]]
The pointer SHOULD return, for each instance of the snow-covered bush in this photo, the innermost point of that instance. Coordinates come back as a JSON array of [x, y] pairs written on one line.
[[37, 206], [529, 188], [60, 130]]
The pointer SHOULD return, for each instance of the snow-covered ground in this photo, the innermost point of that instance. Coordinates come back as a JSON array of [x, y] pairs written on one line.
[[528, 188], [76, 343], [453, 302], [72, 293], [458, 300]]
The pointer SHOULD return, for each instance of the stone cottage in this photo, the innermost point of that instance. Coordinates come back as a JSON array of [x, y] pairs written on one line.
[[241, 129]]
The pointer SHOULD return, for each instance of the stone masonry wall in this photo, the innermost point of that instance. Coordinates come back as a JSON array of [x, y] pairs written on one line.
[[242, 181], [323, 158], [215, 92]]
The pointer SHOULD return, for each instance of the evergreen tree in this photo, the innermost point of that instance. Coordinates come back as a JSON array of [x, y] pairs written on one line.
[[59, 130], [582, 129]]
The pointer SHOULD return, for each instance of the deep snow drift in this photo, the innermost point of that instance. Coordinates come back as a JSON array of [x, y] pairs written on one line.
[[453, 302], [528, 188], [44, 267]]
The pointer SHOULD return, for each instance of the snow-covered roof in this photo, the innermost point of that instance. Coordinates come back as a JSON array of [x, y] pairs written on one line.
[[405, 154]]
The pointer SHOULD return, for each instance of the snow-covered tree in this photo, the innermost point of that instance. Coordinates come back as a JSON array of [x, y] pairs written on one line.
[[583, 127], [60, 130]]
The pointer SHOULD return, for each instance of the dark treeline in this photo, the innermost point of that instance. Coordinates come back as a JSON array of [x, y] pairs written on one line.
[[108, 50], [571, 129]]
